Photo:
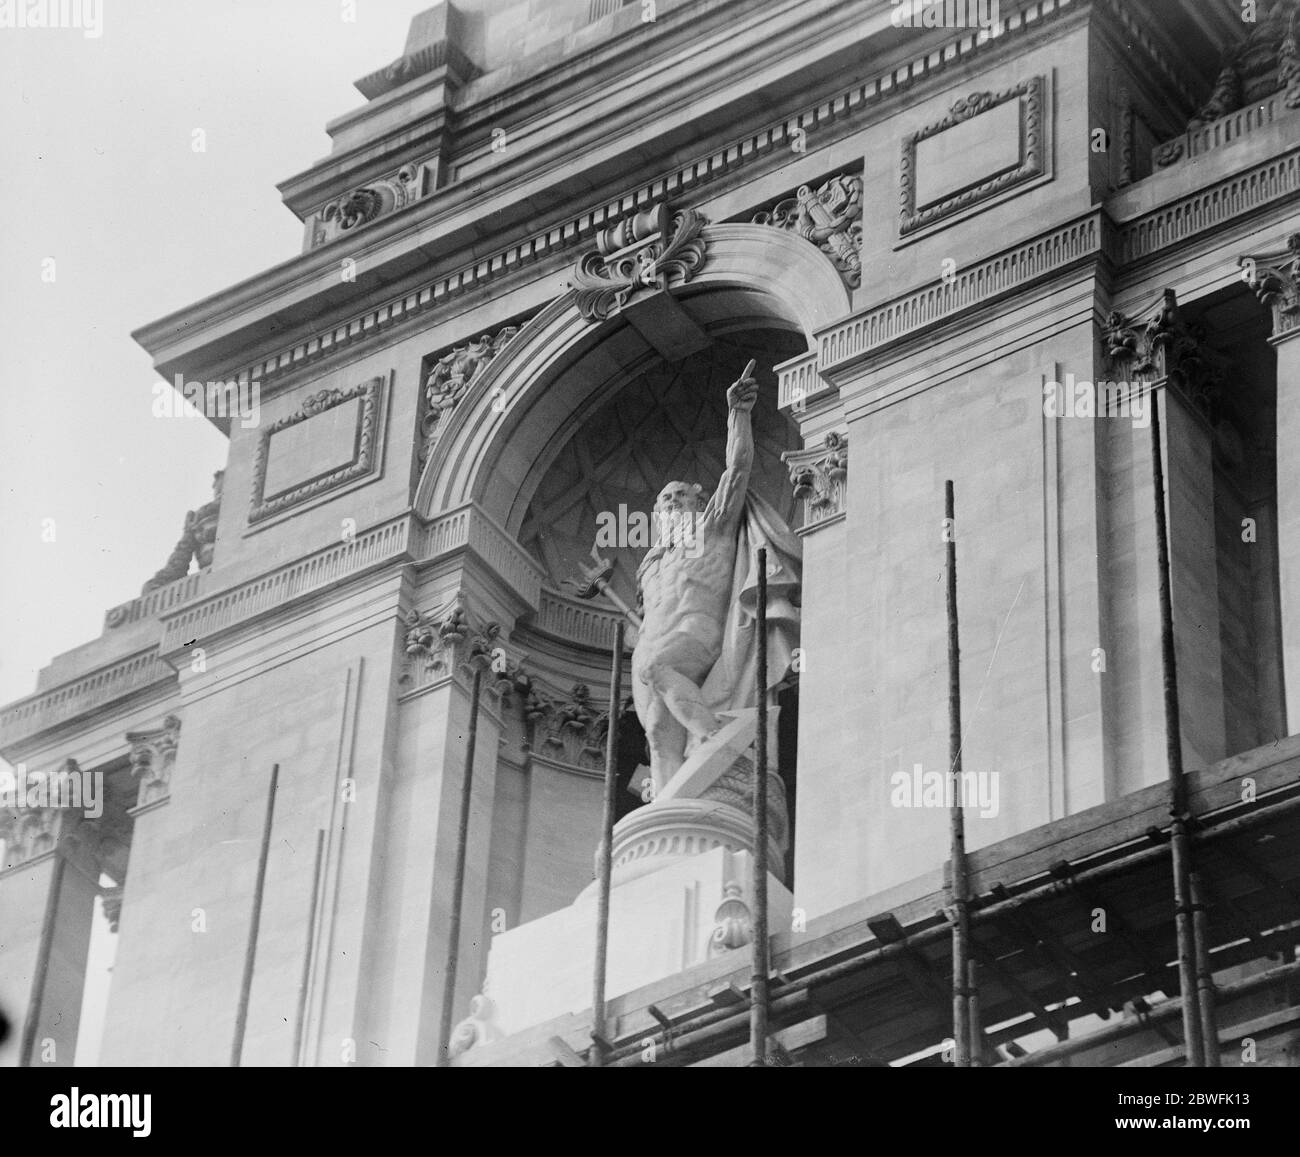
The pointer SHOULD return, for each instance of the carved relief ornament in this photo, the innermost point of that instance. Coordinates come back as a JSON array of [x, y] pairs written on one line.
[[1275, 279], [644, 251], [829, 216], [449, 381], [819, 476]]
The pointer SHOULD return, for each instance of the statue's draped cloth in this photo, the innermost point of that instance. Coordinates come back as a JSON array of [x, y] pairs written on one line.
[[731, 684]]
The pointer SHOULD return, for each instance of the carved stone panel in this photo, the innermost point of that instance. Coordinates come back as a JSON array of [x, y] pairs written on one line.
[[332, 440], [988, 144]]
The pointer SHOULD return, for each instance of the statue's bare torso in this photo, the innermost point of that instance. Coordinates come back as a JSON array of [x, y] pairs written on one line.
[[686, 582]]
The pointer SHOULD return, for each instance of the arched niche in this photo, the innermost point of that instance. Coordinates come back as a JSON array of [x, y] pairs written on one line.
[[561, 369]]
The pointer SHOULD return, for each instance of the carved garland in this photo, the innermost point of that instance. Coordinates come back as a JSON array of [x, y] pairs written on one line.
[[1032, 160], [449, 381], [363, 463]]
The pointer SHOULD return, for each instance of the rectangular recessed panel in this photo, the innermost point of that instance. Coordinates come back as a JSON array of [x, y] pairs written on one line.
[[968, 153], [309, 449]]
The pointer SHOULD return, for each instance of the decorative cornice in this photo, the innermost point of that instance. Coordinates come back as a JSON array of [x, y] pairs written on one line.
[[1033, 156], [405, 538], [875, 329], [153, 754], [450, 379], [364, 461], [643, 252], [1175, 221], [158, 600], [831, 117], [574, 620], [47, 709], [1275, 278], [1227, 129], [829, 216], [820, 477]]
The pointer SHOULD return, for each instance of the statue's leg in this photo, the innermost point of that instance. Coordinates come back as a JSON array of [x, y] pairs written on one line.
[[671, 671], [666, 739]]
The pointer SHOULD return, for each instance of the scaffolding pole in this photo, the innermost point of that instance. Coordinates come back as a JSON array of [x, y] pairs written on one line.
[[963, 1026], [1180, 839], [600, 1043], [42, 957], [300, 1020], [759, 997], [458, 879], [250, 952]]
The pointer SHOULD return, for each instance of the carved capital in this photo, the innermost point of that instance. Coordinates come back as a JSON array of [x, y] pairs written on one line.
[[820, 477], [28, 828], [829, 216], [437, 640], [153, 754], [568, 728], [1275, 278], [1164, 348], [644, 251], [450, 379]]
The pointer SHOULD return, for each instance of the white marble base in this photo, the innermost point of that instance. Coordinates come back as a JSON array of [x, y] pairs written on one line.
[[660, 924]]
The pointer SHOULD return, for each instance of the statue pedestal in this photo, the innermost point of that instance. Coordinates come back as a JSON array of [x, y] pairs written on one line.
[[661, 922], [680, 894]]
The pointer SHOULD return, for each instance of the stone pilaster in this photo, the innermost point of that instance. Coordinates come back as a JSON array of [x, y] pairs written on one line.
[[49, 871], [1163, 358], [1275, 278]]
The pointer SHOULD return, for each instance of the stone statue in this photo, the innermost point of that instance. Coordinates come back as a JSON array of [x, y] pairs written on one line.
[[696, 655], [197, 539]]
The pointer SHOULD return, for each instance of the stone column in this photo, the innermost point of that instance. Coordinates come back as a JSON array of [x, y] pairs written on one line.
[[32, 890], [455, 623], [819, 475], [1164, 359], [1275, 278]]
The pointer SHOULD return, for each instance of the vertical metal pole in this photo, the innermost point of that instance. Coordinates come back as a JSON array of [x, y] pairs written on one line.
[[1205, 991], [961, 1018], [250, 953], [596, 1057], [1179, 839], [973, 1004], [458, 878], [758, 1007], [42, 958], [301, 1019]]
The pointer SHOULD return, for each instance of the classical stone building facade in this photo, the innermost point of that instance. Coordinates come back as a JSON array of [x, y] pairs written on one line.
[[532, 263]]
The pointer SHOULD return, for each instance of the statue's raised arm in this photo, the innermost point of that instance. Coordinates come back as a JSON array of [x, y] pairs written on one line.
[[728, 500]]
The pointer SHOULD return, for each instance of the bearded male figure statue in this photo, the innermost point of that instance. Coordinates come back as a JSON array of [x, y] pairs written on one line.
[[696, 651]]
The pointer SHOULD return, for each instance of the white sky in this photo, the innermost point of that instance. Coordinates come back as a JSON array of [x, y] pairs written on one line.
[[99, 173]]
